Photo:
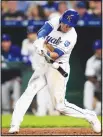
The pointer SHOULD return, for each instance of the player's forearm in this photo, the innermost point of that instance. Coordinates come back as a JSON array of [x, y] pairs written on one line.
[[56, 53], [43, 32], [53, 55]]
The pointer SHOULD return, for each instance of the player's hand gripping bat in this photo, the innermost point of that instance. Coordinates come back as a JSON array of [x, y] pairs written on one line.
[[54, 64]]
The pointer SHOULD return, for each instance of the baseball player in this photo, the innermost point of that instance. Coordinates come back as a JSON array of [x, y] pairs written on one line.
[[92, 91], [54, 44], [10, 76], [28, 52], [28, 49]]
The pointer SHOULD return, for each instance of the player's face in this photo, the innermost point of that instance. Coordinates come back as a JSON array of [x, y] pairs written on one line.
[[81, 11], [6, 45], [31, 36], [64, 27], [98, 53]]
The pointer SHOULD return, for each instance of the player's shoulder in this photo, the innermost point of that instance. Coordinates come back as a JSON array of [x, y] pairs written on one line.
[[72, 33], [71, 36], [25, 41], [91, 59], [54, 21], [15, 48], [55, 18]]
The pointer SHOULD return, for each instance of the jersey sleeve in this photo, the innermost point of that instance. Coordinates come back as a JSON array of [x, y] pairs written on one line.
[[24, 49], [54, 22], [90, 71]]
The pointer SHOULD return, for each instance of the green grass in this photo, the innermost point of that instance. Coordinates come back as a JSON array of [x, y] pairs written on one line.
[[47, 121]]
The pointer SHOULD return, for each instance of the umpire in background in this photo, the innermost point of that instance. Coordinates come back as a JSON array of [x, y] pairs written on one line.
[[10, 76]]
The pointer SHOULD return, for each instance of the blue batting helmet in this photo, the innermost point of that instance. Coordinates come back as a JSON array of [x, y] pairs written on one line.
[[97, 44], [70, 17], [31, 29]]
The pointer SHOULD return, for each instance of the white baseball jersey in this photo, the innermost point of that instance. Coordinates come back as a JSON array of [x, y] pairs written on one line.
[[29, 50], [60, 40], [93, 67], [63, 41]]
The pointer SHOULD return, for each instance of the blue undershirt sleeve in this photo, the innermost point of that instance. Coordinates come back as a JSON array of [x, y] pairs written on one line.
[[58, 51], [45, 30]]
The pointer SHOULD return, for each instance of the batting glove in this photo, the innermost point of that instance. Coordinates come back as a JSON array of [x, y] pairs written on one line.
[[39, 43]]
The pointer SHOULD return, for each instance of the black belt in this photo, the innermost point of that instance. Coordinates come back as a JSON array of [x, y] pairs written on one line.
[[65, 74]]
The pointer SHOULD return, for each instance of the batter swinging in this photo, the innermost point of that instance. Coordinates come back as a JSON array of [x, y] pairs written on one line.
[[52, 69]]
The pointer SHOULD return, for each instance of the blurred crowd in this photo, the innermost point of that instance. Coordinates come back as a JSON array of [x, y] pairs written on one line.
[[43, 10]]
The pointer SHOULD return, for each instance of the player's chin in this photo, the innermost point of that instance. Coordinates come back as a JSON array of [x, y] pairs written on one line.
[[64, 30]]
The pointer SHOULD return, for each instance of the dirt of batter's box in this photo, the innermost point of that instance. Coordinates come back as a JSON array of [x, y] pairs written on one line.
[[52, 131]]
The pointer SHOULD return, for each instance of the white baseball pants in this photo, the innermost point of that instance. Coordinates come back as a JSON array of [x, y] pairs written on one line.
[[13, 85], [57, 87], [89, 90], [44, 103]]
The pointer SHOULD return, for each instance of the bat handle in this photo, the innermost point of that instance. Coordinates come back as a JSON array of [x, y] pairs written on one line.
[[65, 74]]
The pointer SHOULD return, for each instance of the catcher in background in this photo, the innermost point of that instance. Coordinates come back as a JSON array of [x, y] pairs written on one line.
[[92, 87]]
